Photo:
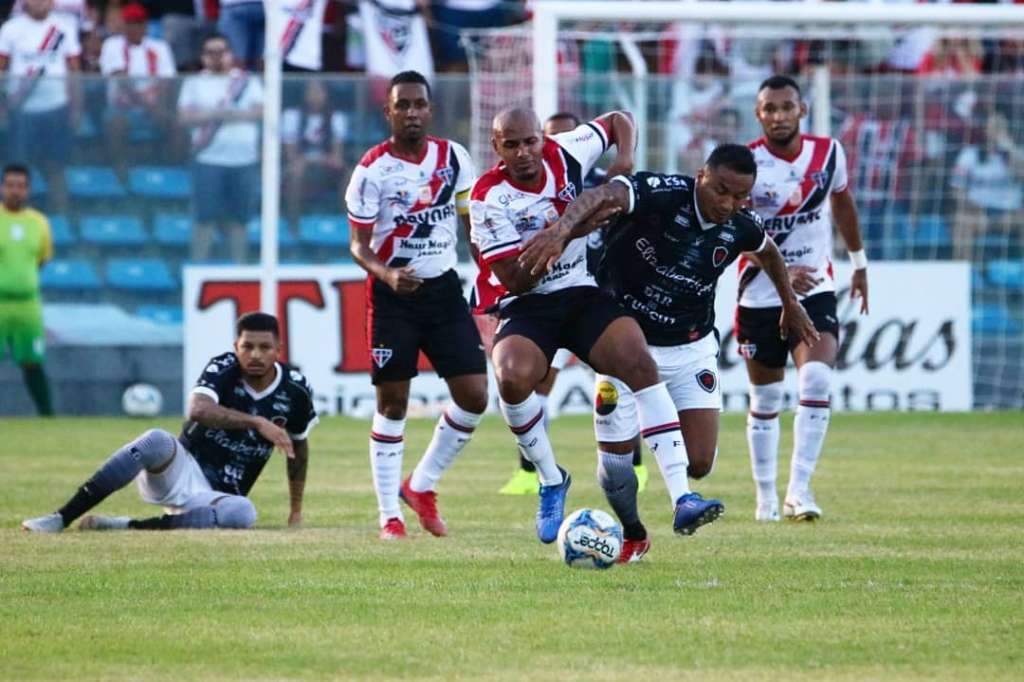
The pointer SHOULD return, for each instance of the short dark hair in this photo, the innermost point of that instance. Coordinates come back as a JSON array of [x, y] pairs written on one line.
[[214, 36], [17, 169], [735, 157], [565, 114], [414, 77], [257, 322], [778, 82]]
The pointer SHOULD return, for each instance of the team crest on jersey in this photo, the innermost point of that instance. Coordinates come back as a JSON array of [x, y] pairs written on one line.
[[381, 356], [719, 255], [568, 193], [747, 350], [820, 178], [395, 31], [445, 174], [279, 420], [707, 380]]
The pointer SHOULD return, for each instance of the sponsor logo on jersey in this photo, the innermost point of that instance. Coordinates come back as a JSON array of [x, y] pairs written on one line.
[[681, 220], [719, 255], [707, 380], [427, 216], [727, 237], [551, 214], [381, 356], [424, 194], [606, 398], [653, 181]]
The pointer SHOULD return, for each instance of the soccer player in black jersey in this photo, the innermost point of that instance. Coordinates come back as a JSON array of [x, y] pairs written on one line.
[[662, 261], [244, 405]]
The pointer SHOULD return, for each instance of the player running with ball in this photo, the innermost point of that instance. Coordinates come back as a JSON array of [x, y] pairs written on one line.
[[662, 262], [801, 185]]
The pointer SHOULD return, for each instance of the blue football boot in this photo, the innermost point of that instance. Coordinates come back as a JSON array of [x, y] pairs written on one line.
[[693, 511], [552, 508]]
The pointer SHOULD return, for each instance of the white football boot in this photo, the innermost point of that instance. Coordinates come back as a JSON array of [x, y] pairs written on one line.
[[767, 510], [801, 507], [51, 523], [104, 522]]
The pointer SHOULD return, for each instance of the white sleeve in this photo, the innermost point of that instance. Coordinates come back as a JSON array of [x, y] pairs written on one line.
[[492, 231], [111, 59], [253, 92], [6, 40], [362, 199], [467, 169], [187, 97], [165, 66], [290, 126], [70, 45], [842, 176], [586, 143]]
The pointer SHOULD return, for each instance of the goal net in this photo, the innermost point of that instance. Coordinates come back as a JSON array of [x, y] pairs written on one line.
[[928, 101]]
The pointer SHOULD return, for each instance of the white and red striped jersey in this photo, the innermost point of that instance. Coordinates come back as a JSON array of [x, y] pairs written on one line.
[[38, 52], [793, 197], [505, 214], [412, 206], [301, 24]]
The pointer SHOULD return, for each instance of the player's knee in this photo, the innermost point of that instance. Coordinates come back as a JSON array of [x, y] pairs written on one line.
[[815, 380], [637, 369], [515, 380], [766, 400], [474, 399], [235, 511], [702, 462], [155, 448]]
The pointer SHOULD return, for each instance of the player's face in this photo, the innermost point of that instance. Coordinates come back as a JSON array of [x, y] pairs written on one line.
[[408, 111], [554, 126], [217, 55], [15, 190], [257, 352], [721, 192], [38, 9], [520, 146], [779, 112]]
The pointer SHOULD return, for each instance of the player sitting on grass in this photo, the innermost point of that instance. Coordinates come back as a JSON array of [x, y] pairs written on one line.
[[244, 405], [662, 262]]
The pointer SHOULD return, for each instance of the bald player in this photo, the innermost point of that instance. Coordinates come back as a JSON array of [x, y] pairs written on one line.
[[560, 306]]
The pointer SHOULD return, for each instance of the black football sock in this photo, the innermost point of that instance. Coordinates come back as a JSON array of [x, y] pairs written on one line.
[[525, 464], [638, 455], [200, 517], [618, 480], [38, 388]]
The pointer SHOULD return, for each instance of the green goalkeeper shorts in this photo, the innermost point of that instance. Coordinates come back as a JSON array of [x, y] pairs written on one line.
[[21, 331]]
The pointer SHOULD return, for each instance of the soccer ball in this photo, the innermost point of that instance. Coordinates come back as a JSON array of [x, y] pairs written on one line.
[[590, 538], [142, 400]]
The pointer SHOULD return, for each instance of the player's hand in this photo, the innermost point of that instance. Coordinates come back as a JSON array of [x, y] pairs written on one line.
[[859, 289], [543, 250], [794, 319], [277, 436], [295, 519], [603, 217], [802, 278], [403, 280]]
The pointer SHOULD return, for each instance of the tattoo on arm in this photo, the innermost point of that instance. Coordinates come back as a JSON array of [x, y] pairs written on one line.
[[205, 411], [611, 195]]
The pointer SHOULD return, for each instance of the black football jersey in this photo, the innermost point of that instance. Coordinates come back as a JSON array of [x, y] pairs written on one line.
[[232, 459], [663, 260]]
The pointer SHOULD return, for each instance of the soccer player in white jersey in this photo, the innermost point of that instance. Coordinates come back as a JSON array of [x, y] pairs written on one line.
[[406, 201], [558, 305], [801, 188]]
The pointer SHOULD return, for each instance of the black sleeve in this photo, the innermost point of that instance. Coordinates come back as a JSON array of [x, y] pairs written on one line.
[[658, 193], [219, 377], [303, 413], [750, 235]]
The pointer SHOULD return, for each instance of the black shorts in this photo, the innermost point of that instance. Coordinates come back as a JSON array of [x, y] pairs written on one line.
[[435, 319], [757, 329], [572, 318]]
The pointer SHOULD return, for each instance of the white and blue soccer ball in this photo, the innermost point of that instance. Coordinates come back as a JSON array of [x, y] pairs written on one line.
[[590, 538], [142, 400]]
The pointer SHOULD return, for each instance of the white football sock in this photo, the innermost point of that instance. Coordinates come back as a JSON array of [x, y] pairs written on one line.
[[526, 420], [810, 425], [453, 431], [763, 438], [387, 441], [659, 426], [543, 399]]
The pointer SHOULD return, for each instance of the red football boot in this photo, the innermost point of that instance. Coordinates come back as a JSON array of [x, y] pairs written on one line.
[[634, 550], [394, 529], [425, 506]]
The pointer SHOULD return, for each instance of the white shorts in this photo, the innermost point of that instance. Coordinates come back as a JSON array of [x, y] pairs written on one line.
[[561, 359], [179, 487], [690, 373]]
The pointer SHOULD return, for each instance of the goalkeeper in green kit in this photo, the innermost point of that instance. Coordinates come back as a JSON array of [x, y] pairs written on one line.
[[25, 244]]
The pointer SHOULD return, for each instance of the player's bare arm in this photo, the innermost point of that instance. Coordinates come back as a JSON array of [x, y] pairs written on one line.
[[591, 210], [794, 318], [844, 211], [623, 136], [516, 278], [209, 413], [401, 280], [297, 466]]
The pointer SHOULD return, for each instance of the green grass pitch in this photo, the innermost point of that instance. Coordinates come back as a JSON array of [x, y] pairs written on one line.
[[916, 571]]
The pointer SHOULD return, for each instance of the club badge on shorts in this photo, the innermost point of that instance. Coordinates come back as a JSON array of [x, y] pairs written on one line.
[[381, 356], [747, 350], [707, 380]]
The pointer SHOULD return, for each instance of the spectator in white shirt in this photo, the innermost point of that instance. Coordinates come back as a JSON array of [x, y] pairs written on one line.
[[314, 138], [39, 50], [137, 94], [223, 106]]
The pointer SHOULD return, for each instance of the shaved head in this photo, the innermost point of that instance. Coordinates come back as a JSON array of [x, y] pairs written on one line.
[[515, 117], [517, 138]]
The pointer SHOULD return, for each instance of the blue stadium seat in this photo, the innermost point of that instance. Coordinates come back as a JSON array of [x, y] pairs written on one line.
[[931, 238], [93, 182], [69, 275], [60, 231], [38, 181], [140, 275], [161, 314], [1007, 274], [160, 182], [995, 320], [172, 229], [284, 235], [324, 230], [113, 230]]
